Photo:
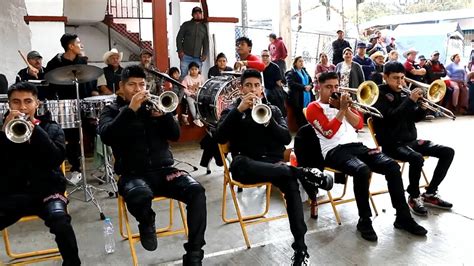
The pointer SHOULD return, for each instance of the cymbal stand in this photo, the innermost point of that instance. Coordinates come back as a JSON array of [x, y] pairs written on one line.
[[88, 189], [108, 172]]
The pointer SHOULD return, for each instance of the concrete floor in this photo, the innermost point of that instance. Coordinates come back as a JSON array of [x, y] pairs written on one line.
[[449, 240]]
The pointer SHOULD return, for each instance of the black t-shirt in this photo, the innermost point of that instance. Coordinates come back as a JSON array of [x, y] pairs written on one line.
[[271, 75], [214, 71]]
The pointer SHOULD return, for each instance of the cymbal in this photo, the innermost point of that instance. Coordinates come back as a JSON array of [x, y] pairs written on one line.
[[233, 73], [165, 77], [66, 75]]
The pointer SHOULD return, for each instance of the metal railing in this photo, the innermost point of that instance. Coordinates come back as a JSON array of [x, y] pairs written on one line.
[[125, 9]]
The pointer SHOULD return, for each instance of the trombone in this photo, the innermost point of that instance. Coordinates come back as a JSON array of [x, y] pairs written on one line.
[[433, 93], [367, 94]]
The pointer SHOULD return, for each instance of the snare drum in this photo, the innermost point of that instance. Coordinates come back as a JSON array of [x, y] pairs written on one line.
[[64, 112], [92, 106], [215, 95]]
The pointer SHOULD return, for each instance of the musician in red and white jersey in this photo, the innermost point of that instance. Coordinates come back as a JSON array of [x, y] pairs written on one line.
[[335, 122]]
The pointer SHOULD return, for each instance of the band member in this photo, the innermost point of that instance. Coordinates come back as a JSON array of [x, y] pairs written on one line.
[[108, 83], [152, 82], [243, 47], [71, 56], [36, 72], [32, 183], [257, 152], [139, 140], [397, 135], [335, 123]]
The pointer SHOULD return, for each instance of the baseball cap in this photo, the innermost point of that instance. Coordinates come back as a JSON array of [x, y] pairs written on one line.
[[196, 9], [33, 54]]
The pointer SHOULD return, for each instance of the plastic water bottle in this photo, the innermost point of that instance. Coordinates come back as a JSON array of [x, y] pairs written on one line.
[[293, 161], [109, 236]]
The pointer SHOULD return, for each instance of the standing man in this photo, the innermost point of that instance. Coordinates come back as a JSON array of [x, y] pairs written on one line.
[[32, 183], [273, 83], [243, 47], [192, 41], [391, 46], [72, 56], [257, 152], [338, 46], [335, 123], [413, 70], [364, 61], [397, 135], [139, 140], [278, 52], [108, 83]]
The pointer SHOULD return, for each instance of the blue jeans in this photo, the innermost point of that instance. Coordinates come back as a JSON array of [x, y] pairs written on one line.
[[185, 63]]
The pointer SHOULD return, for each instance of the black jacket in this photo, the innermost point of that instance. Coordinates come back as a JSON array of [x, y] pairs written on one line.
[[296, 87], [33, 166], [337, 48], [399, 116], [63, 92], [139, 141], [254, 140]]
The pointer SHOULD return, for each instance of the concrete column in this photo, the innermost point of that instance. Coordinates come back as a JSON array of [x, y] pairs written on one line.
[[285, 28]]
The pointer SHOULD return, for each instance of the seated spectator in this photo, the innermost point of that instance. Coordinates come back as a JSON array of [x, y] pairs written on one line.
[[219, 66], [457, 76]]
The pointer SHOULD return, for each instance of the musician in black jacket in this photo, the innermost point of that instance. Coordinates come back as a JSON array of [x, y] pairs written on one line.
[[139, 140], [32, 183], [397, 135], [257, 152]]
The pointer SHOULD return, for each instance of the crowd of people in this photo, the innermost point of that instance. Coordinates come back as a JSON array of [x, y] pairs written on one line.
[[139, 137]]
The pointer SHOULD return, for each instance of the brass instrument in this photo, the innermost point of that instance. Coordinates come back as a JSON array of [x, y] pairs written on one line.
[[18, 130], [261, 113], [433, 93], [167, 102], [367, 94]]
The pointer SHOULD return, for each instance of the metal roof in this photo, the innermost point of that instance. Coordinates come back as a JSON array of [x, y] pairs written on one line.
[[419, 17]]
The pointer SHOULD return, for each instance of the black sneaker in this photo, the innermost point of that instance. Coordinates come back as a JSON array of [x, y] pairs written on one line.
[[364, 226], [417, 206], [300, 258], [148, 236], [316, 178], [193, 258], [408, 224], [433, 200]]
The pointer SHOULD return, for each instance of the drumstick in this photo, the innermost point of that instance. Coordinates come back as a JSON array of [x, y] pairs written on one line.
[[27, 63]]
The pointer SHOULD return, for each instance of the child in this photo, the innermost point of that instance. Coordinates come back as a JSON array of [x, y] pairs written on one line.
[[179, 91], [192, 82]]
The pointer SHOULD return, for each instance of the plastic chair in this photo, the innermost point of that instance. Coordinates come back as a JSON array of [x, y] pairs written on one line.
[[243, 220], [160, 232]]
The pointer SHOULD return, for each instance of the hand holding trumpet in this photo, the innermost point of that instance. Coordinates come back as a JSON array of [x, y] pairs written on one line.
[[247, 102]]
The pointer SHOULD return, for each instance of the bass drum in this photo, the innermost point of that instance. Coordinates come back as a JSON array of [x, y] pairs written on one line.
[[215, 95]]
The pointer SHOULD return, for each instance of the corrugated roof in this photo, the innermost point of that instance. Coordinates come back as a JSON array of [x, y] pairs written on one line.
[[419, 17]]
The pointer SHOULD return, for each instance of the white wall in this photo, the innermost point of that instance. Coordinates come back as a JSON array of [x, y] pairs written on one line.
[[44, 7], [96, 43], [45, 38], [14, 35]]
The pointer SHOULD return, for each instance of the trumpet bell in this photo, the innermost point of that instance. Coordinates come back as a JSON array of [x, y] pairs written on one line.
[[436, 91], [261, 113], [168, 101], [367, 93], [18, 130]]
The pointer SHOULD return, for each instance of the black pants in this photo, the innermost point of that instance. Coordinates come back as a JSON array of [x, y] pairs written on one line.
[[249, 171], [413, 153], [73, 150], [276, 96], [358, 161], [54, 214], [138, 193], [282, 65]]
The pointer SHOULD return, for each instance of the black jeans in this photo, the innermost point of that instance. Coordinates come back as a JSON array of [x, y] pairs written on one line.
[[358, 161], [249, 171], [413, 153], [182, 187], [54, 214], [73, 150]]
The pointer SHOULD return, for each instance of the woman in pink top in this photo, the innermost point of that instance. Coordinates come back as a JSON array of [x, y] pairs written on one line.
[[322, 67], [192, 82]]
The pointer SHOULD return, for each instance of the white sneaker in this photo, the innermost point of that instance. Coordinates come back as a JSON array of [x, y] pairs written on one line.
[[198, 122], [74, 178]]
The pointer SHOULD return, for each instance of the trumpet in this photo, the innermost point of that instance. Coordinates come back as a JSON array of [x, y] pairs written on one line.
[[367, 94], [433, 93], [167, 102], [18, 130], [261, 113]]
